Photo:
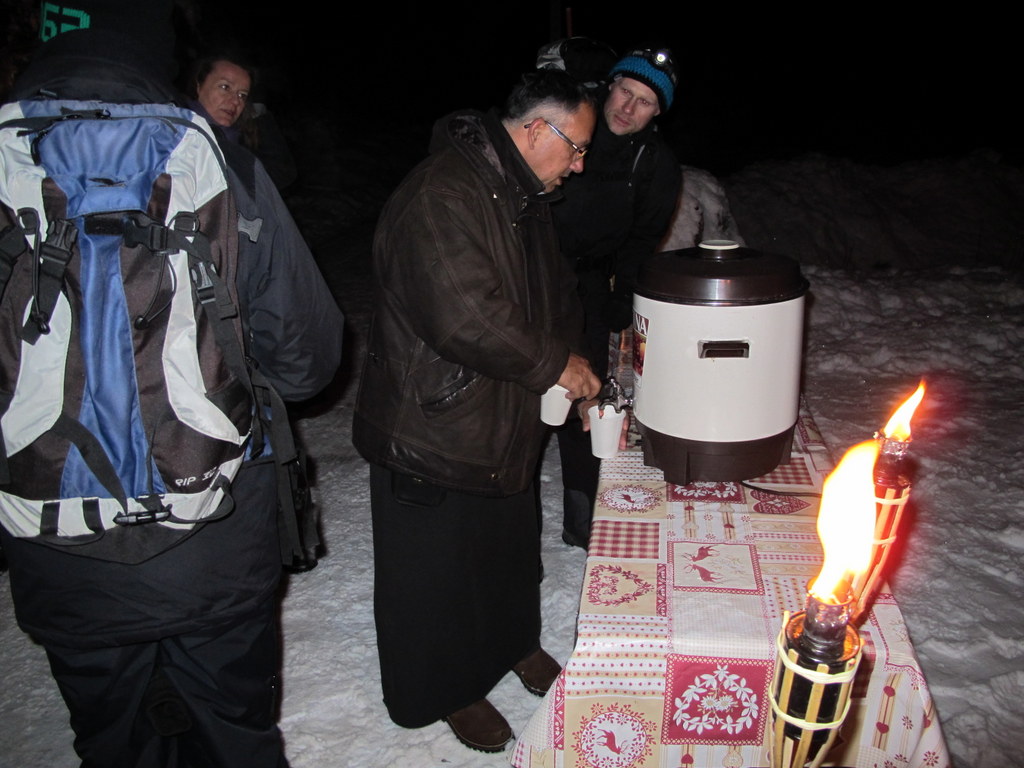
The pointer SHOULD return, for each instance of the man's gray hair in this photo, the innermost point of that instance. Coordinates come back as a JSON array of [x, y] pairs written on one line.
[[548, 91]]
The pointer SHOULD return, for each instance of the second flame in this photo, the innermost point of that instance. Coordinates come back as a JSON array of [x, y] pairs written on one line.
[[898, 426]]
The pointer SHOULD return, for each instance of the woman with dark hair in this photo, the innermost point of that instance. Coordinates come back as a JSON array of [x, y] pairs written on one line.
[[221, 92], [222, 88]]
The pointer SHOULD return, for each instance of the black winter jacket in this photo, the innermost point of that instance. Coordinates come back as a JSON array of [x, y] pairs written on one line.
[[475, 315], [615, 214]]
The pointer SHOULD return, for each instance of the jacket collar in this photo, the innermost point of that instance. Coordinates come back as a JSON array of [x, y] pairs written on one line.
[[483, 140], [232, 132], [604, 137], [512, 163]]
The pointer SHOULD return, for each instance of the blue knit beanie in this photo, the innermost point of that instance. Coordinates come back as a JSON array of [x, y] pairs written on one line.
[[654, 68]]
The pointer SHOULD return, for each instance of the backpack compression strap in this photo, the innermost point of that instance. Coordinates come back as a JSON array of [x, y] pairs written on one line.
[[12, 246], [51, 262]]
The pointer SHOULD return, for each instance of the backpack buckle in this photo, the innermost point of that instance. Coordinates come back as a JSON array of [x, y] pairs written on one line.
[[56, 250], [155, 511], [186, 222], [205, 289], [141, 230], [141, 518]]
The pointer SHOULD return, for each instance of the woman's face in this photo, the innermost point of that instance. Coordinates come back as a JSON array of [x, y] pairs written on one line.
[[224, 92]]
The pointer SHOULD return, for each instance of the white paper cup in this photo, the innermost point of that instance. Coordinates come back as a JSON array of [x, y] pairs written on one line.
[[605, 430], [554, 406]]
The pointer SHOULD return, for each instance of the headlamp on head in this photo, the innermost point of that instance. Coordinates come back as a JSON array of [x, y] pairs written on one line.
[[660, 58], [653, 67]]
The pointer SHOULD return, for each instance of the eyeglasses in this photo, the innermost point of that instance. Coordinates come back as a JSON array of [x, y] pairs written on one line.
[[580, 151]]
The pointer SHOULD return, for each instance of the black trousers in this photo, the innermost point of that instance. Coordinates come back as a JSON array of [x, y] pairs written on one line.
[[204, 700], [580, 468], [456, 594], [580, 474]]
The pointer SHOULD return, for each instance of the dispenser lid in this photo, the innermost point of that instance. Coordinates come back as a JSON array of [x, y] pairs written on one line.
[[720, 273]]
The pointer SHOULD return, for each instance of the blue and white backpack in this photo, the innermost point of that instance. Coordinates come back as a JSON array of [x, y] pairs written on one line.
[[126, 402]]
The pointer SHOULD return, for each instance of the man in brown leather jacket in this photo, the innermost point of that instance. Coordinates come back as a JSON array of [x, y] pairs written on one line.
[[475, 317]]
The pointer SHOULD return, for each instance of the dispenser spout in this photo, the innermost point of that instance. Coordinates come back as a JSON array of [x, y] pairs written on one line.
[[614, 395]]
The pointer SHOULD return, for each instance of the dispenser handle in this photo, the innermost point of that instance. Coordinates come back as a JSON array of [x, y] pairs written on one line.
[[723, 348]]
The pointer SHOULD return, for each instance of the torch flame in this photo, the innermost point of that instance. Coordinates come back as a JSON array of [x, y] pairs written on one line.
[[898, 427], [846, 522]]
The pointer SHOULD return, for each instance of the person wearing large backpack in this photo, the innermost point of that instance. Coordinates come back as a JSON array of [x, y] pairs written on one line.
[[171, 658]]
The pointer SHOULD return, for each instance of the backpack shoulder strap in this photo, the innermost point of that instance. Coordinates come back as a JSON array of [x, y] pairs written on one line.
[[297, 515]]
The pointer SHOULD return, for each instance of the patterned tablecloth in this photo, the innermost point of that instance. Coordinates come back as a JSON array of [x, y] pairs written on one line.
[[683, 596]]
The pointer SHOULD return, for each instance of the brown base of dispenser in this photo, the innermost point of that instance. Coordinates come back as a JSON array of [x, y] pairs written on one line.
[[685, 461]]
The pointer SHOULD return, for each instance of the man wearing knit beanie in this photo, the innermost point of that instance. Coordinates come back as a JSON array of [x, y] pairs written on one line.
[[613, 217], [643, 85]]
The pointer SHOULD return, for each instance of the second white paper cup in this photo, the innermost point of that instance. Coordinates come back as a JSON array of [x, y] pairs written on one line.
[[605, 430], [554, 406]]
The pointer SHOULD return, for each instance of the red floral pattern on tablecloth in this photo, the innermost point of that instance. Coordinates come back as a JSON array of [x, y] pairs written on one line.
[[701, 490], [609, 584], [631, 498], [769, 503], [716, 700], [614, 736]]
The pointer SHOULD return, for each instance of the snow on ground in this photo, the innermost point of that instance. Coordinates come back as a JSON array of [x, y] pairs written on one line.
[[902, 288]]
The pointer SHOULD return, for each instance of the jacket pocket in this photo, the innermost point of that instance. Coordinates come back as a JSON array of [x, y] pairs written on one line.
[[416, 492], [463, 387]]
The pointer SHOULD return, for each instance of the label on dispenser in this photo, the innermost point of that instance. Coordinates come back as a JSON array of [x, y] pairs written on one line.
[[640, 328]]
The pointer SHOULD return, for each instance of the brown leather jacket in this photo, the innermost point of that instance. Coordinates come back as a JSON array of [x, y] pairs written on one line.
[[475, 313]]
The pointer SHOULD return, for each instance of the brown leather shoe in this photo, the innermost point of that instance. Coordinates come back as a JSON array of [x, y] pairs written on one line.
[[480, 726], [537, 672]]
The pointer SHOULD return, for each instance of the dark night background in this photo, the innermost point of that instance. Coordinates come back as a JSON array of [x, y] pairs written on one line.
[[873, 85], [876, 85]]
